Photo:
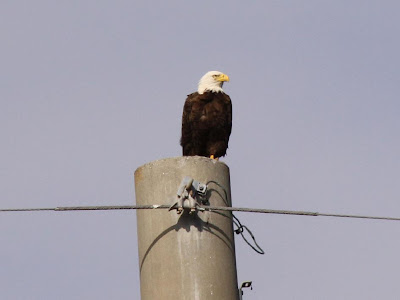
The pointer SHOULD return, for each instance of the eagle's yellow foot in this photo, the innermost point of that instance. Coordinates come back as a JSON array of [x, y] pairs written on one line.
[[213, 157]]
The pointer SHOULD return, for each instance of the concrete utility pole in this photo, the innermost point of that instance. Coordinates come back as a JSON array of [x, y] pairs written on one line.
[[185, 256]]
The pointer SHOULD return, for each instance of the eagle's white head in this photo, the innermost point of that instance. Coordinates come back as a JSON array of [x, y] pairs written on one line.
[[212, 81]]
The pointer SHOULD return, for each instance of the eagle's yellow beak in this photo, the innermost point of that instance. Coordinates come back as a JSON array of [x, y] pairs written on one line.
[[222, 78]]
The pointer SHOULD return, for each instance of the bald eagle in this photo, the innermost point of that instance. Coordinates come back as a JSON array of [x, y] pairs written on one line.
[[207, 118]]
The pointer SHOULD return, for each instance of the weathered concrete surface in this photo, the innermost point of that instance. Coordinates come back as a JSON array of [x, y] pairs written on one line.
[[185, 257]]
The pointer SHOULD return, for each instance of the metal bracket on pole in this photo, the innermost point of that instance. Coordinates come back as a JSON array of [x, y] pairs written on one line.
[[188, 192], [246, 284]]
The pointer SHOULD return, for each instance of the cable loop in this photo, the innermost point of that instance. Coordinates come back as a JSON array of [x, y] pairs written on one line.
[[239, 230]]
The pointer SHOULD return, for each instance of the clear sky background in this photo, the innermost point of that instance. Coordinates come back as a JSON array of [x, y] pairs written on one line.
[[91, 90]]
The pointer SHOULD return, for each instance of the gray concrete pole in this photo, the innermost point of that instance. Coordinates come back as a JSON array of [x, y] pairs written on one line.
[[183, 256]]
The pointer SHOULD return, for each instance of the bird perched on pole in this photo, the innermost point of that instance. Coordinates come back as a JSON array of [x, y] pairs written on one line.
[[207, 118]]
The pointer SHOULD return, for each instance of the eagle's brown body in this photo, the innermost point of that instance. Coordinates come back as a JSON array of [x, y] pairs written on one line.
[[206, 124]]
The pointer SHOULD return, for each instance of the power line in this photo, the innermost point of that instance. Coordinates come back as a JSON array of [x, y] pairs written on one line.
[[75, 208], [201, 208]]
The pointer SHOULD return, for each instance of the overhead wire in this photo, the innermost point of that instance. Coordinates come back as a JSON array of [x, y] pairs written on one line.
[[240, 228], [201, 208]]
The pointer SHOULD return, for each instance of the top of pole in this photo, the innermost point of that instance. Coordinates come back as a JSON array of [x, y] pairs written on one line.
[[181, 161]]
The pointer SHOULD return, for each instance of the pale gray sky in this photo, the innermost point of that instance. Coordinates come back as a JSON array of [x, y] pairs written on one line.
[[91, 90]]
